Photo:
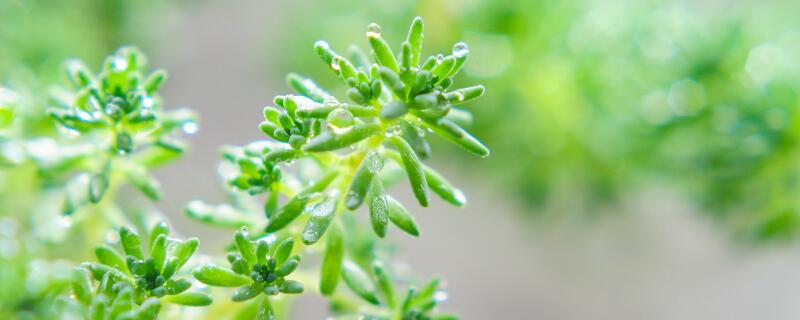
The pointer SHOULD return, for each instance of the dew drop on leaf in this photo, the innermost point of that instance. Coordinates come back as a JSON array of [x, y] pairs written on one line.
[[120, 64], [147, 102], [322, 44], [393, 131], [352, 199], [65, 221], [189, 127], [459, 196], [374, 164], [440, 296], [373, 30], [460, 50], [335, 64]]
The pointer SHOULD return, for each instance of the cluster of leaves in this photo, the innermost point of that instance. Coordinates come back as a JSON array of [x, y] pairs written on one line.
[[117, 112], [132, 285], [105, 128], [255, 269], [329, 156]]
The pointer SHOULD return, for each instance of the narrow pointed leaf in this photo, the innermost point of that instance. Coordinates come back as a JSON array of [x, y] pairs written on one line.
[[82, 285], [400, 217], [291, 287], [246, 292], [331, 261], [455, 134], [307, 87], [222, 215], [384, 283], [286, 214], [329, 141], [192, 299], [413, 166], [465, 95], [358, 281], [378, 207], [381, 48], [371, 165], [149, 309], [417, 142], [131, 243], [158, 229], [414, 38], [444, 189], [183, 251], [288, 266], [245, 246], [141, 179], [158, 251], [283, 250], [321, 215], [110, 257]]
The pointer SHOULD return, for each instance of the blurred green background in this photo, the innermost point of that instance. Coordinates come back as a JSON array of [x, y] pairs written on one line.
[[588, 104], [591, 100]]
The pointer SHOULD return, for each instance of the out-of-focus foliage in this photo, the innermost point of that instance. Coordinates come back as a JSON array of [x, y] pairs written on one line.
[[600, 98], [41, 167]]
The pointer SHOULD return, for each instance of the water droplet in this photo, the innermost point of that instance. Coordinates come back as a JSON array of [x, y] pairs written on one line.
[[147, 102], [84, 116], [190, 127], [460, 50], [112, 110], [394, 131], [69, 131], [120, 64], [459, 196], [322, 44], [335, 64], [373, 30], [199, 285], [340, 118], [380, 205], [440, 296], [304, 103], [375, 165], [338, 130], [459, 95], [439, 58], [65, 221], [352, 199], [112, 237]]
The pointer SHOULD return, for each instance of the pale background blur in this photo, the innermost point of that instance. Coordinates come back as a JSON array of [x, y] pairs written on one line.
[[651, 257]]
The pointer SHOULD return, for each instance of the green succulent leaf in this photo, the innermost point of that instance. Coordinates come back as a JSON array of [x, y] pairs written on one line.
[[413, 166], [359, 281], [378, 208], [329, 141], [331, 261], [371, 165], [321, 216], [220, 277], [193, 299], [247, 292], [400, 217]]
